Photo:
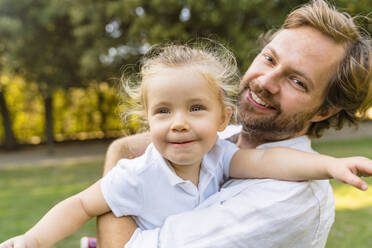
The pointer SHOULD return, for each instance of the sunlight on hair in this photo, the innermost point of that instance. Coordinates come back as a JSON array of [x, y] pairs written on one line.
[[369, 114]]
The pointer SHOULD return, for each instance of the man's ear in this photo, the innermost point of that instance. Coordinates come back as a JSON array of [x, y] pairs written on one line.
[[325, 114], [225, 119]]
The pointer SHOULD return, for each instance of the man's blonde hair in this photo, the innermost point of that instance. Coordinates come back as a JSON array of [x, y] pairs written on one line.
[[350, 88]]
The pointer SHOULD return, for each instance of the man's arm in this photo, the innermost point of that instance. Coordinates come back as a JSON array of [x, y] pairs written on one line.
[[112, 231]]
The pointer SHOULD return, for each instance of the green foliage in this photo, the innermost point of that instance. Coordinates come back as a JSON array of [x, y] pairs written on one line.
[[80, 113], [40, 43], [55, 45], [25, 108], [64, 42]]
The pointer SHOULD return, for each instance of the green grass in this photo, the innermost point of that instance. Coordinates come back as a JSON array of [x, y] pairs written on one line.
[[353, 225], [26, 194]]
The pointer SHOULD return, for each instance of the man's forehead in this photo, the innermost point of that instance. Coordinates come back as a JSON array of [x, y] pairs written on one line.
[[308, 41]]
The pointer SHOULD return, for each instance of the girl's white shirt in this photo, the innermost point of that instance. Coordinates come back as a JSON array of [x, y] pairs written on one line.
[[148, 189]]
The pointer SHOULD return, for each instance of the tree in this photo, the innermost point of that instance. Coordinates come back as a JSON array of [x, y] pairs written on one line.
[[9, 139], [73, 43], [41, 48]]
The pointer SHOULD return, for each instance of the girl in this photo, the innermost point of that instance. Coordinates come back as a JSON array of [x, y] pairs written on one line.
[[184, 94]]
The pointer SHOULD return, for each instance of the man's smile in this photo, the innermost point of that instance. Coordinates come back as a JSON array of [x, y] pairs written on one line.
[[257, 101]]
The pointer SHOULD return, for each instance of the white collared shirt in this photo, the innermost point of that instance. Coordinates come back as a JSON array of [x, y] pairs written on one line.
[[148, 188], [254, 213]]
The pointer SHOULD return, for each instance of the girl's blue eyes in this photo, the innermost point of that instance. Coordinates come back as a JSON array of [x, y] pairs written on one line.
[[192, 109], [163, 111], [195, 108]]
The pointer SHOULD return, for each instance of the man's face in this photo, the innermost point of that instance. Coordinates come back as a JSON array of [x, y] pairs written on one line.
[[283, 89]]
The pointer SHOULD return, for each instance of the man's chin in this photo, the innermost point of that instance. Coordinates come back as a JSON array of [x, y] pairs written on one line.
[[251, 122], [273, 130]]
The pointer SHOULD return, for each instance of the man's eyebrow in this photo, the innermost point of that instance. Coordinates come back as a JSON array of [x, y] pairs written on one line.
[[268, 47], [294, 70]]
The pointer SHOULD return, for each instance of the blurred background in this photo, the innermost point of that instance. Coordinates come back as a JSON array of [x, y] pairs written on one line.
[[60, 65], [60, 60]]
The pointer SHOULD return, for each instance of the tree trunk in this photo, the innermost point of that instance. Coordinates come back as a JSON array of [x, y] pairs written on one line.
[[48, 105], [10, 141], [102, 111]]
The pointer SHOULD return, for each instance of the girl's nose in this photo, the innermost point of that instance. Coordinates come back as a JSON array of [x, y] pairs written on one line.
[[180, 123]]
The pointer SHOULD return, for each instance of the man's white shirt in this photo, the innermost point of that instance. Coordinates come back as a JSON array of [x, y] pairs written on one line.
[[252, 213]]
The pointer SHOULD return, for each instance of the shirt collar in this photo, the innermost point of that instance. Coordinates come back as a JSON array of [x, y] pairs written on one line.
[[302, 143], [164, 165]]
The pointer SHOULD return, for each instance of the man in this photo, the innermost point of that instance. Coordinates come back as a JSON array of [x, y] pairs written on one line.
[[312, 74]]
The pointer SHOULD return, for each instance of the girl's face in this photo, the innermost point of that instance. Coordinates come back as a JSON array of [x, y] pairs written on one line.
[[184, 115]]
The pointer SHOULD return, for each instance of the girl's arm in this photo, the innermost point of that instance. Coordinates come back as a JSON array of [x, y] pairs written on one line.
[[62, 220], [290, 164]]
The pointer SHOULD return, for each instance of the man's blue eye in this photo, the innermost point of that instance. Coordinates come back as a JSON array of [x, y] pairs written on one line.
[[299, 83], [268, 58]]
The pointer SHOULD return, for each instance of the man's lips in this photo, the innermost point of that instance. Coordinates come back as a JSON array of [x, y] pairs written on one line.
[[257, 101]]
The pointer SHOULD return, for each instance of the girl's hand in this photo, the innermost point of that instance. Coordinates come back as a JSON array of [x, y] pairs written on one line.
[[349, 170], [22, 241]]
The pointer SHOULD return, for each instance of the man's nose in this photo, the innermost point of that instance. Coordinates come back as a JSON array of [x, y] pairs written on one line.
[[180, 123], [270, 81]]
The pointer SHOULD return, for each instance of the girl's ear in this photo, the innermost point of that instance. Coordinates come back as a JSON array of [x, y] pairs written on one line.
[[225, 119]]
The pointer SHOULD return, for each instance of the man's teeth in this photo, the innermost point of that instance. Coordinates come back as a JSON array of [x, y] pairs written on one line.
[[258, 100]]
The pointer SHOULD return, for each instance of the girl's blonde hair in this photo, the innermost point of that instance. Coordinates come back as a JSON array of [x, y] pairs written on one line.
[[214, 61]]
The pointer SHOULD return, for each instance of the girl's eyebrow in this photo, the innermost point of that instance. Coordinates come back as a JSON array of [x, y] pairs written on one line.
[[159, 104], [197, 99], [202, 101], [189, 101]]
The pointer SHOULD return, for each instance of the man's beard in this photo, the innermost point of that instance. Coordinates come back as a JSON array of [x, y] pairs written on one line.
[[277, 126]]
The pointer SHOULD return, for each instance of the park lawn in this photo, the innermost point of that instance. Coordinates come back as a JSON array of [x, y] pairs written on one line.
[[27, 192], [353, 225]]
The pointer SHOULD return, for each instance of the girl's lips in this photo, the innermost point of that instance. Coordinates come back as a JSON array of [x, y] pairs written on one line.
[[250, 99], [182, 143]]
